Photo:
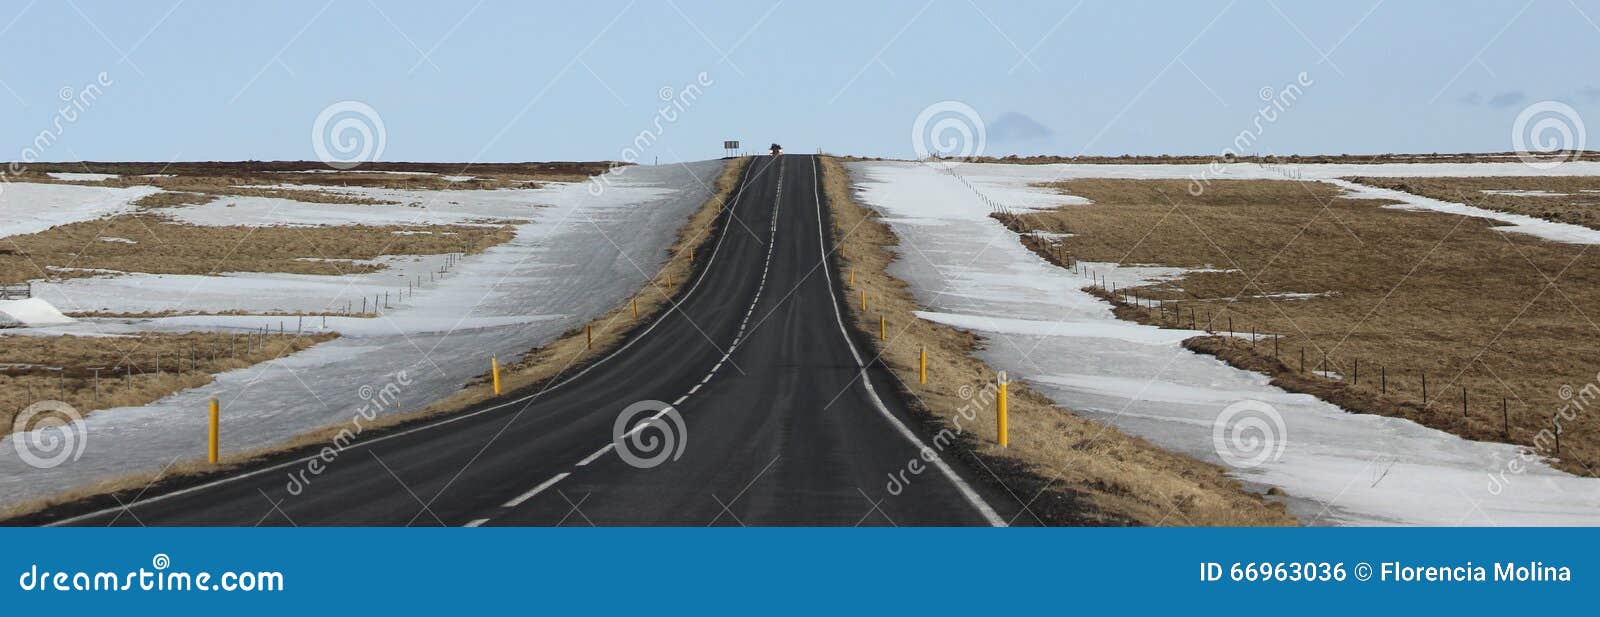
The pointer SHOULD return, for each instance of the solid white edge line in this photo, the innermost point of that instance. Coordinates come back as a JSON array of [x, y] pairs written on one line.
[[744, 183], [961, 485], [537, 489]]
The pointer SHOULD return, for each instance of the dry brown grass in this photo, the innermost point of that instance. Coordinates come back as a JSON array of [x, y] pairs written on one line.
[[562, 356], [166, 247], [1123, 479], [1414, 295], [171, 199], [552, 170], [231, 178], [134, 370], [1573, 205]]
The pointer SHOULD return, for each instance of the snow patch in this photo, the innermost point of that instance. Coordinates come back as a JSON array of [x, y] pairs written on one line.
[[80, 177], [27, 208], [30, 312], [1525, 193]]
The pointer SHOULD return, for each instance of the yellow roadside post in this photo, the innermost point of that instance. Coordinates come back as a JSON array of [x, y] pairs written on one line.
[[588, 335], [635, 304], [863, 300], [883, 328], [852, 276], [213, 433], [922, 368], [494, 367], [1003, 429]]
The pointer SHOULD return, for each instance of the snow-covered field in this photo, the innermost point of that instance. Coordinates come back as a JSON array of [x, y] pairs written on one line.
[[1337, 467], [414, 208], [578, 256], [26, 208]]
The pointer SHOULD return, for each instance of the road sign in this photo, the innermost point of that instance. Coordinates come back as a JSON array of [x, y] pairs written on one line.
[[730, 145]]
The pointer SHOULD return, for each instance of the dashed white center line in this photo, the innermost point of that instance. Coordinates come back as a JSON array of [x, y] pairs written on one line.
[[537, 489], [760, 287], [597, 454]]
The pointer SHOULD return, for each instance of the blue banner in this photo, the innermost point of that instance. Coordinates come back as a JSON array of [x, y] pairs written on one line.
[[796, 571]]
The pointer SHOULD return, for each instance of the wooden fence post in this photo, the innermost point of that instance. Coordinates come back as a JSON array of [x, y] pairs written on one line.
[[1505, 419]]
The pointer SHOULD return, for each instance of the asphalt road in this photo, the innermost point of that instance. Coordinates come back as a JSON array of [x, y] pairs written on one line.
[[773, 420]]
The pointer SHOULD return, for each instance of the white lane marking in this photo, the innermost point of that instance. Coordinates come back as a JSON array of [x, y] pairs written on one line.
[[716, 249], [536, 490], [477, 522], [759, 290], [639, 427], [961, 485], [597, 454]]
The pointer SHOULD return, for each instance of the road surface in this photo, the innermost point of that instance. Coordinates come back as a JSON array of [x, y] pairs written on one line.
[[772, 420]]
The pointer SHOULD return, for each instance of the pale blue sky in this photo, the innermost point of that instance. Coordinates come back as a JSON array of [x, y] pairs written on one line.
[[513, 81]]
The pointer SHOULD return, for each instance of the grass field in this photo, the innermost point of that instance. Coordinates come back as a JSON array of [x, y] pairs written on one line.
[[161, 246], [1564, 199], [133, 370], [231, 177], [1410, 296], [1076, 470]]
